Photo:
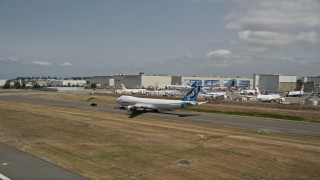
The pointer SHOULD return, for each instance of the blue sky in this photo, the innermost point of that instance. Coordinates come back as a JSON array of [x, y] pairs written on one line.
[[177, 37]]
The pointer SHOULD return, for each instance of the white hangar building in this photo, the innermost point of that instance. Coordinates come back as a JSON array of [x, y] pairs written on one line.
[[273, 83], [213, 81], [141, 80], [101, 81]]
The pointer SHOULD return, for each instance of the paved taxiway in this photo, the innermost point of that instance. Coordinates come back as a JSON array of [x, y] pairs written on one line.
[[15, 164], [258, 124]]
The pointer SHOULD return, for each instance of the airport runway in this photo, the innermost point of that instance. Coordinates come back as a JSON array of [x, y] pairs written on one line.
[[15, 164], [257, 124]]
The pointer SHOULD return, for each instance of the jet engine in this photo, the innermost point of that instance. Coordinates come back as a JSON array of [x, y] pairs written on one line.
[[131, 108]]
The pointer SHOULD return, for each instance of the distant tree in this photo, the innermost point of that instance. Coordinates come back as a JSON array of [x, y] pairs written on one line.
[[24, 85], [17, 85], [7, 85], [299, 84], [36, 86], [93, 85]]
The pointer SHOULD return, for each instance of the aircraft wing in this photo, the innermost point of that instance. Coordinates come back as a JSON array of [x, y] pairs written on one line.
[[202, 102]]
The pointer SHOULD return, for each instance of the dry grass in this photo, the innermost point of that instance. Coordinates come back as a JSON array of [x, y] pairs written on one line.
[[309, 116], [105, 145]]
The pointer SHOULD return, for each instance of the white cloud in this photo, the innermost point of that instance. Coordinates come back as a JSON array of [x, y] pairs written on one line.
[[264, 37], [219, 53], [10, 59], [274, 14], [257, 49], [200, 0], [309, 37], [41, 63], [66, 64], [274, 22], [276, 38]]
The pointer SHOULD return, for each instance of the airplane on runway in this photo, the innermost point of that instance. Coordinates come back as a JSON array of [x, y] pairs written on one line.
[[124, 90], [133, 103], [268, 97], [296, 93]]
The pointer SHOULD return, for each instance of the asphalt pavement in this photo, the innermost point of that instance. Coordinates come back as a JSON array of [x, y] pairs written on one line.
[[15, 164]]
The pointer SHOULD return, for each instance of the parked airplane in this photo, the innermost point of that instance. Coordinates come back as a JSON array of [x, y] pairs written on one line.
[[186, 86], [133, 103], [296, 93], [214, 95], [124, 90], [248, 91], [269, 97]]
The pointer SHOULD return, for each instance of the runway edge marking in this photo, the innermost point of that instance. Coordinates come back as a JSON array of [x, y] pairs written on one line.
[[4, 177]]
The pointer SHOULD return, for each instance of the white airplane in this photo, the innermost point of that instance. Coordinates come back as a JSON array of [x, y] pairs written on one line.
[[269, 97], [248, 91], [296, 93], [186, 86], [133, 103], [214, 95], [124, 90]]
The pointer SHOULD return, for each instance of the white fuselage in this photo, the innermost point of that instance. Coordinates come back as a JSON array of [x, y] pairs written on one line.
[[215, 94], [295, 93], [269, 97], [162, 93], [149, 103], [248, 91], [180, 87], [133, 91]]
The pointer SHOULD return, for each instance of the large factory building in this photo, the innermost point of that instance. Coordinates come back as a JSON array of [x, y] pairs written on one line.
[[206, 81], [273, 83], [101, 81], [311, 84], [141, 80]]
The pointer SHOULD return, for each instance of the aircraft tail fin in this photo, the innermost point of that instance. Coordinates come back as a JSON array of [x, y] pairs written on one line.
[[192, 95], [123, 87], [203, 91], [258, 91], [187, 83], [230, 84]]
